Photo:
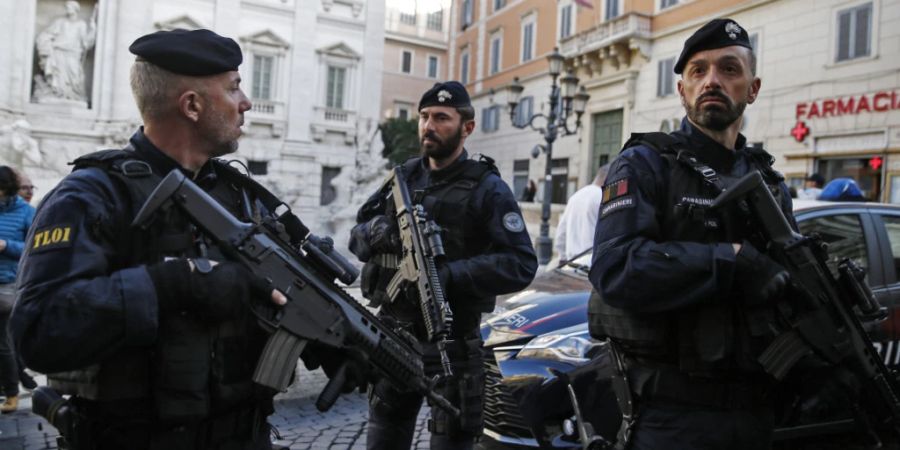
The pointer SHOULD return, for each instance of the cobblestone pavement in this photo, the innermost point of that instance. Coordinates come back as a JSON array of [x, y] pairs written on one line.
[[300, 425]]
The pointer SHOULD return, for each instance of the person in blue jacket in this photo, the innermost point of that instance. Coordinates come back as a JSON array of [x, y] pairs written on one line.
[[15, 218], [681, 288], [149, 328]]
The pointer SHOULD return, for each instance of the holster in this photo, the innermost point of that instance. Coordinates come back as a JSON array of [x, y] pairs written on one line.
[[465, 389]]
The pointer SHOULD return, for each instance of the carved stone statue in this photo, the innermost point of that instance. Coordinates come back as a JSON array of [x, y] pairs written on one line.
[[61, 50], [17, 145], [354, 185]]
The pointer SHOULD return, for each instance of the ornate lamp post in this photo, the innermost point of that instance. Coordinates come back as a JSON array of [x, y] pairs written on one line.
[[568, 98]]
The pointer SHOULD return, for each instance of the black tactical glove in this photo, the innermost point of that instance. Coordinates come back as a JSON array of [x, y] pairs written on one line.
[[383, 235], [330, 360], [220, 294], [760, 278]]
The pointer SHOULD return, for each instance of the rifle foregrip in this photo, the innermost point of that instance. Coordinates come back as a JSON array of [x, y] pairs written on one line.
[[278, 360], [333, 389]]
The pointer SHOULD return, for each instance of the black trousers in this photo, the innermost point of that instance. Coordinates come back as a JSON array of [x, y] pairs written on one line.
[[673, 426], [9, 365]]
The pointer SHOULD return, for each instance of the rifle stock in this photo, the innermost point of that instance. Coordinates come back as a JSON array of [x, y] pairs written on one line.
[[821, 318], [317, 309]]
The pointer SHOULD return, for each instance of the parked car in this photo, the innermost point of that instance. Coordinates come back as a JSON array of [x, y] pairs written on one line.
[[539, 338]]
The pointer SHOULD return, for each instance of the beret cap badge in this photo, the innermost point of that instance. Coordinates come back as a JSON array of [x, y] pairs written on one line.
[[733, 30], [443, 96]]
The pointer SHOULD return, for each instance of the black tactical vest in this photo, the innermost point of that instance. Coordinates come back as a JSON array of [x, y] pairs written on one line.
[[195, 369], [704, 338], [447, 201]]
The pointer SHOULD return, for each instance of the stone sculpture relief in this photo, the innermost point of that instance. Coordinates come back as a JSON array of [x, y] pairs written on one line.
[[61, 51]]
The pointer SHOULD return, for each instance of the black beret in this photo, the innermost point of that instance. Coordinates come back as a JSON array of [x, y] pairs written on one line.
[[189, 52], [717, 33], [450, 93]]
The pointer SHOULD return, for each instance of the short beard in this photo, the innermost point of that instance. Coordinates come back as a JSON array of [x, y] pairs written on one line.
[[222, 139], [442, 149], [714, 118]]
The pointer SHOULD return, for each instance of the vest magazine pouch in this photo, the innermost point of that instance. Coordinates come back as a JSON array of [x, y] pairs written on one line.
[[638, 334], [182, 370]]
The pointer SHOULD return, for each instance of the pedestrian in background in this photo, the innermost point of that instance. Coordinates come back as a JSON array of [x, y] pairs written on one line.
[[15, 218], [812, 188], [26, 187], [529, 192], [575, 232]]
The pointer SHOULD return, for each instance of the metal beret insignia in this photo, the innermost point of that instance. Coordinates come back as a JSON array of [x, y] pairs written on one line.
[[443, 96], [513, 222], [732, 29]]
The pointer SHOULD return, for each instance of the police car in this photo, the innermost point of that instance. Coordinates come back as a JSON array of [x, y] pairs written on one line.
[[538, 338]]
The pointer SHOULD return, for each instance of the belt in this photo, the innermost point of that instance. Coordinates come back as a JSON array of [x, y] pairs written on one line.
[[669, 385]]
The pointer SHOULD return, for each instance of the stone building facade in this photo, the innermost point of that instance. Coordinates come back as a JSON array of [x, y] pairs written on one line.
[[309, 69]]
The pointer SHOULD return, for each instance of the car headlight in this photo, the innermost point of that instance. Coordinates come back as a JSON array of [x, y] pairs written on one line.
[[572, 348]]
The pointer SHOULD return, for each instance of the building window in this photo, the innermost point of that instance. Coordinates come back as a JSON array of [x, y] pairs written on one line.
[[496, 47], [406, 61], [559, 178], [520, 176], [408, 18], [612, 9], [565, 21], [262, 77], [464, 67], [403, 114], [663, 4], [528, 38], [524, 110], [499, 4], [435, 20], [490, 118], [467, 12], [328, 193], [432, 66], [334, 97], [258, 167], [665, 81], [854, 32]]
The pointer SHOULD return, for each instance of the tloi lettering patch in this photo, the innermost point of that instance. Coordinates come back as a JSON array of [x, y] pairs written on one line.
[[49, 238], [618, 204], [615, 190]]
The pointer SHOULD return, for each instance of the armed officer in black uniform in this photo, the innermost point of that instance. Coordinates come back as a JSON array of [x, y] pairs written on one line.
[[149, 329], [488, 253], [681, 291]]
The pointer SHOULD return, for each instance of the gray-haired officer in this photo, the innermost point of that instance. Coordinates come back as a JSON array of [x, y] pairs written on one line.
[[488, 253], [156, 349], [681, 291]]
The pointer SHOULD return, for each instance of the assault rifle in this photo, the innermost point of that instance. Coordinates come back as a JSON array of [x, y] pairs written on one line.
[[317, 309], [822, 316], [422, 244]]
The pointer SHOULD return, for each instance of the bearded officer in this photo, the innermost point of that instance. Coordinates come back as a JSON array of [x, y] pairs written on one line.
[[488, 253], [151, 337], [682, 292]]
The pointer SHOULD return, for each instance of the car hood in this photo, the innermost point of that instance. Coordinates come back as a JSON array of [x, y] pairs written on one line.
[[533, 312]]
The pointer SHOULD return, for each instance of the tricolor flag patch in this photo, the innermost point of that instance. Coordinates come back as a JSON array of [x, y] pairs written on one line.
[[615, 190]]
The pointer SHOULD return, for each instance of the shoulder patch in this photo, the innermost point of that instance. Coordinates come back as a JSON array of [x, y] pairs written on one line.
[[52, 237], [614, 190], [617, 204], [513, 222]]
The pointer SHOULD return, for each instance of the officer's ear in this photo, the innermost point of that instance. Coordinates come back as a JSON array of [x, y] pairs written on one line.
[[754, 89], [468, 127], [190, 104]]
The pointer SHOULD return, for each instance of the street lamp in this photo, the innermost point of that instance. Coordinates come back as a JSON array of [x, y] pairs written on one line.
[[569, 98]]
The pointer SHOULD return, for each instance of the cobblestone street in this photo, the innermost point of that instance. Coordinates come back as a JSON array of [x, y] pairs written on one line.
[[298, 422]]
